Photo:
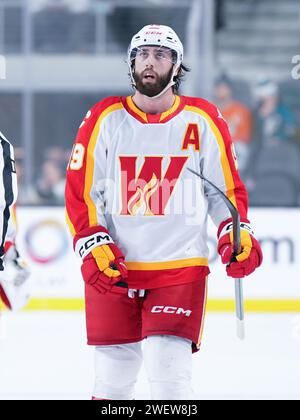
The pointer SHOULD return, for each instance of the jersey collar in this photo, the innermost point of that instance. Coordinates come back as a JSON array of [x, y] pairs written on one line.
[[141, 116]]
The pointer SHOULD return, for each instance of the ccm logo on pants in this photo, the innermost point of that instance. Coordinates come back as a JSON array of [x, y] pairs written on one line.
[[170, 310]]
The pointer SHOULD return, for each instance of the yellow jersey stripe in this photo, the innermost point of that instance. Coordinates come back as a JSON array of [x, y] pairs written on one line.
[[171, 110], [92, 211], [70, 224], [135, 109], [165, 265]]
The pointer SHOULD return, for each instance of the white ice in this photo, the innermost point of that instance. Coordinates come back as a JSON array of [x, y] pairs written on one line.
[[43, 355]]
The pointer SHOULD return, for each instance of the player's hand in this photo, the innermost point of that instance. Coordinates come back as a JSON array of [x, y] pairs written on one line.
[[14, 286], [103, 264], [250, 256]]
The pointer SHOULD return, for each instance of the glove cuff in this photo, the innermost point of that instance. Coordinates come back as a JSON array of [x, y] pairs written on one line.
[[90, 238], [227, 226]]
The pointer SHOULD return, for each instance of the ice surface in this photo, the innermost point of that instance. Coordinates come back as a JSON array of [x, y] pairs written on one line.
[[43, 355]]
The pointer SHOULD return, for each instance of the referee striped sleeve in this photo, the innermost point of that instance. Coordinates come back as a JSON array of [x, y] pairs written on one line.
[[8, 187]]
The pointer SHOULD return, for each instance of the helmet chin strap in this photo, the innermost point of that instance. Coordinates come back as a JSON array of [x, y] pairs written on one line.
[[170, 84]]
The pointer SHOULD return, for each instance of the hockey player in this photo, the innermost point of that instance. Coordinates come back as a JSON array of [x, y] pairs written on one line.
[[138, 218]]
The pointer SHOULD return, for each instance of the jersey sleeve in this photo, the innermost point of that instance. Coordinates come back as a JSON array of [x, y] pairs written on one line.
[[219, 165], [86, 174], [8, 190]]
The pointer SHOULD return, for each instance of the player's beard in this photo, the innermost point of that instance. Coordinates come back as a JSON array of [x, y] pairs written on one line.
[[152, 89]]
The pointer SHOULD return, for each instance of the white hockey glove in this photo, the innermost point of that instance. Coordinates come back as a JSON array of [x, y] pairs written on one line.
[[14, 284]]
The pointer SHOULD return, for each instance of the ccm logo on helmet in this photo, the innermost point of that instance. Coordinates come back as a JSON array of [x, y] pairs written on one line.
[[170, 310], [153, 33]]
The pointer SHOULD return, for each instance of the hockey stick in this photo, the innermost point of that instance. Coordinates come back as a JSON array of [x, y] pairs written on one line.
[[239, 301], [122, 283]]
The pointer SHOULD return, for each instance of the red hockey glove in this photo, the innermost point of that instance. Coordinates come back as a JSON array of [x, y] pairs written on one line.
[[103, 263], [251, 255]]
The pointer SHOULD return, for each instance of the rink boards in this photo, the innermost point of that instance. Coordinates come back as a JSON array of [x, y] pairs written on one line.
[[44, 241]]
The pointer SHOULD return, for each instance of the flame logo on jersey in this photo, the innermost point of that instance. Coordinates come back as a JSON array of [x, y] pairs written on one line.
[[140, 201], [149, 192]]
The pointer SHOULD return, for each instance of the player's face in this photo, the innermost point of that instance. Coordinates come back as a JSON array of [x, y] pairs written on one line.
[[153, 69]]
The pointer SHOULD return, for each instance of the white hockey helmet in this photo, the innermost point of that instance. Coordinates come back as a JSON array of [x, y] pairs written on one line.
[[156, 35]]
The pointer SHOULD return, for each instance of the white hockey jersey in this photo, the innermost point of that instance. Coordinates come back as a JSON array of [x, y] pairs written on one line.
[[128, 172]]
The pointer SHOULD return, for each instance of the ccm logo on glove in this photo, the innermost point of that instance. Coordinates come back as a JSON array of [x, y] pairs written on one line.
[[103, 263], [85, 245], [229, 228]]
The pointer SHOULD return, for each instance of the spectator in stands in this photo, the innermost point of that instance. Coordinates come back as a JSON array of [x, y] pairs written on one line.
[[26, 193], [238, 117], [275, 121], [51, 185], [58, 154]]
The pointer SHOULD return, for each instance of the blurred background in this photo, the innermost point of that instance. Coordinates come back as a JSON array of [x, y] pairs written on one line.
[[62, 56], [59, 57]]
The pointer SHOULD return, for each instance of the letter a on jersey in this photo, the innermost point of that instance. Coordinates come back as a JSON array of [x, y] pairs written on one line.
[[148, 192], [192, 137]]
